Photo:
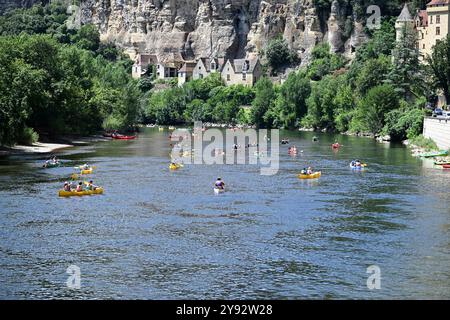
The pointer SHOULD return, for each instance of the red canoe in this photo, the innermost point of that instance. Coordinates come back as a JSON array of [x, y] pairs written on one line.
[[446, 166], [122, 137]]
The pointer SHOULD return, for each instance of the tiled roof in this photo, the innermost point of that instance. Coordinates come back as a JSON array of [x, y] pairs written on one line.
[[207, 63], [423, 16], [146, 59], [188, 67], [437, 2], [238, 64]]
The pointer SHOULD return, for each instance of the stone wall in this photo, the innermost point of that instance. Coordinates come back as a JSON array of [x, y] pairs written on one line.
[[439, 131]]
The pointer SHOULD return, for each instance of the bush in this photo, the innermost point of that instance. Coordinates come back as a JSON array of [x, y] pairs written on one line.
[[28, 136], [374, 106], [112, 123], [404, 124], [324, 62], [424, 143], [279, 55]]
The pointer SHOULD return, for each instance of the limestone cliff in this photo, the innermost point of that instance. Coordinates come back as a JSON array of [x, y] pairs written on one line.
[[13, 4], [228, 28]]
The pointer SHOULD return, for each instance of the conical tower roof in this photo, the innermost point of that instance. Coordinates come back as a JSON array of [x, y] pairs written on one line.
[[405, 15]]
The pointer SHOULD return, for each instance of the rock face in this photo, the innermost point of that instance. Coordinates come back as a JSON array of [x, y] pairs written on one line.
[[221, 28], [13, 4]]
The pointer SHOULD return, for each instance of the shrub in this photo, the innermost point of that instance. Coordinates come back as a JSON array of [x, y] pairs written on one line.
[[28, 136], [424, 143]]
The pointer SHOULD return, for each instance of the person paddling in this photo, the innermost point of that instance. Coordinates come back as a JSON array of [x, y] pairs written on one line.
[[79, 187], [219, 184], [91, 186], [67, 187]]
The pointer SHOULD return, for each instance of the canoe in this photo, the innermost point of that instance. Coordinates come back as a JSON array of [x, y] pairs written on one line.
[[434, 154], [88, 171], [121, 137], [315, 175], [442, 163], [175, 167], [63, 193], [446, 166], [218, 191], [52, 165], [361, 167]]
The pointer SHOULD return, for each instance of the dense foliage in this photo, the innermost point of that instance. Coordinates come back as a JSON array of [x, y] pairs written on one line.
[[279, 55], [74, 86], [57, 80]]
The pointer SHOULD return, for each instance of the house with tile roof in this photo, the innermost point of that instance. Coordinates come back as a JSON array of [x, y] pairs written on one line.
[[242, 71], [186, 72], [431, 24], [206, 66], [142, 63]]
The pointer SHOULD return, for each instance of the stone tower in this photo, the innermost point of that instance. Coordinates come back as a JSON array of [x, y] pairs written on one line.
[[404, 22]]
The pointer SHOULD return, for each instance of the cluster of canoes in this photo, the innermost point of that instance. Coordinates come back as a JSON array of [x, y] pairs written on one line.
[[86, 188]]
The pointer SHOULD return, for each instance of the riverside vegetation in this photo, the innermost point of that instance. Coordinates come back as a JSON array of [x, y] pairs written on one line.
[[59, 81]]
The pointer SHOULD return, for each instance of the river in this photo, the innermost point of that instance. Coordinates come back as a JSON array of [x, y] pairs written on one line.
[[157, 234]]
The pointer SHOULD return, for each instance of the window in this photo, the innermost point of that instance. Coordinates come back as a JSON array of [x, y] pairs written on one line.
[[423, 46], [431, 19], [244, 76], [438, 19], [201, 75], [228, 77], [423, 36], [438, 31]]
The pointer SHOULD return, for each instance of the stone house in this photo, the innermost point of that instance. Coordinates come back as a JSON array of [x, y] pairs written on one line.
[[242, 71], [186, 72], [142, 63], [206, 66]]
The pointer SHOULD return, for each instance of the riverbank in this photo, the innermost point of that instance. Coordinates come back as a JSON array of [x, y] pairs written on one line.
[[49, 146]]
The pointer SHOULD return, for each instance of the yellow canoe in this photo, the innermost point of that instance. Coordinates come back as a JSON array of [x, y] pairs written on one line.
[[63, 193], [315, 175], [175, 167], [88, 171]]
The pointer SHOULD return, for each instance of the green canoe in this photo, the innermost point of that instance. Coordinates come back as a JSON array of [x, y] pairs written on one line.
[[434, 154]]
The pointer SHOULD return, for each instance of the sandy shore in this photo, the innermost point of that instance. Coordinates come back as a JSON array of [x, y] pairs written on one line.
[[44, 147], [37, 147]]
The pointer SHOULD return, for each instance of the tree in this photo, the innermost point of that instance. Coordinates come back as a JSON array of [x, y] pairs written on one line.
[[407, 75], [291, 104], [439, 64], [263, 102], [324, 62], [321, 104], [87, 37], [373, 73], [375, 105], [278, 54]]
